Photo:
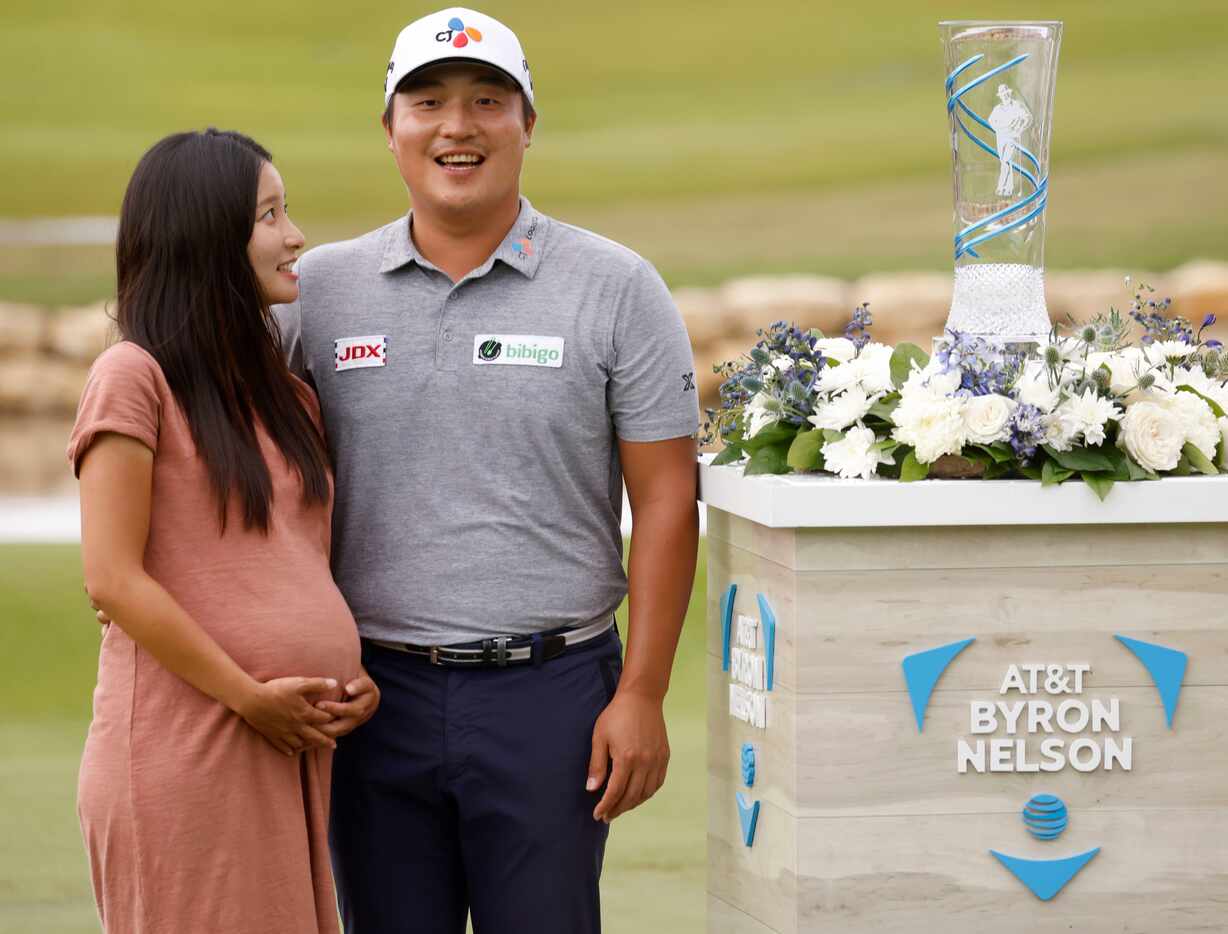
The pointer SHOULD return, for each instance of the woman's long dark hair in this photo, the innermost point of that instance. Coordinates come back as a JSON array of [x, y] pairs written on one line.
[[187, 293]]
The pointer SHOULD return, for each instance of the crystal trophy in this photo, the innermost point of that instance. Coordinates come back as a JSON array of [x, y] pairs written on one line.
[[999, 92]]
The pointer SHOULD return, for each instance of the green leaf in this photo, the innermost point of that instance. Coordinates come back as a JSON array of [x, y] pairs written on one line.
[[1000, 451], [996, 471], [902, 360], [769, 435], [885, 407], [731, 454], [1080, 459], [1138, 472], [831, 435], [806, 451], [1215, 407], [1183, 468], [1098, 483], [769, 460], [912, 469], [1051, 474], [1031, 471], [1199, 461]]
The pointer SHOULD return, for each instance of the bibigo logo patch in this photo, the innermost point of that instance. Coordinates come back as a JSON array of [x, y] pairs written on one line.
[[517, 350]]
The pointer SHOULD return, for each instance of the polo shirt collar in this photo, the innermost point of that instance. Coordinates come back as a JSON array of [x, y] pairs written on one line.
[[520, 249]]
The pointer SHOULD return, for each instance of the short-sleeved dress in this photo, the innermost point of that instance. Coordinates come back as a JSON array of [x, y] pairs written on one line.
[[193, 822]]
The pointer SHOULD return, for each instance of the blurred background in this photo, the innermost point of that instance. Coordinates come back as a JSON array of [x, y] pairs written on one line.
[[776, 159]]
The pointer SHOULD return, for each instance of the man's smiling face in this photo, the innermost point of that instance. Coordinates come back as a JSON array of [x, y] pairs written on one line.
[[458, 133]]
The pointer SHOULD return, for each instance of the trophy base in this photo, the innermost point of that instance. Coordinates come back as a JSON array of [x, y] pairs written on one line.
[[1003, 303]]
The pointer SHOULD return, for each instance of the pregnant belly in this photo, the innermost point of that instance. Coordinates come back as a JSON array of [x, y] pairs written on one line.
[[305, 632]]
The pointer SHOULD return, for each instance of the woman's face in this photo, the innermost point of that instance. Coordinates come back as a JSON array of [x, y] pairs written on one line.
[[275, 240]]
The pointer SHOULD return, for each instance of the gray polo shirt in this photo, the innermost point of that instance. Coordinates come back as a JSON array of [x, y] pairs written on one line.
[[474, 427]]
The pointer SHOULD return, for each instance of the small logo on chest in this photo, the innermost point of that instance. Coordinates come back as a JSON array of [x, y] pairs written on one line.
[[517, 350], [352, 353]]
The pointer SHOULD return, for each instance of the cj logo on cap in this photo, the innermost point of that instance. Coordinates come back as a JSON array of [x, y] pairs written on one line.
[[458, 34], [490, 349]]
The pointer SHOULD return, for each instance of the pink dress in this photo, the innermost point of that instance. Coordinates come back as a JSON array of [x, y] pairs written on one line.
[[194, 823]]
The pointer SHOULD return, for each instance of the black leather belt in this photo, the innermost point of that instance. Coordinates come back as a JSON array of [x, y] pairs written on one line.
[[501, 651]]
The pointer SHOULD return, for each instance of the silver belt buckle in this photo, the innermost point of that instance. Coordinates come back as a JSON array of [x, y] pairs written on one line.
[[434, 655]]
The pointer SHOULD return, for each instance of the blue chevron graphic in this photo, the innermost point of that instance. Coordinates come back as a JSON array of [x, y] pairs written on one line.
[[922, 671], [727, 623], [769, 637], [748, 814], [1045, 877], [1166, 667]]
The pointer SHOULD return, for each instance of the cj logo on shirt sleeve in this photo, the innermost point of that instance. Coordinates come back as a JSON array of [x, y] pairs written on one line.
[[351, 353]]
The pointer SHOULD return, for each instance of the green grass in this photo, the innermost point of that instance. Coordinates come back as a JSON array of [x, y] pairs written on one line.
[[655, 863], [787, 136]]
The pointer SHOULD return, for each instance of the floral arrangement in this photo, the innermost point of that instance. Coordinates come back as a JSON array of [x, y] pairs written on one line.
[[1088, 404]]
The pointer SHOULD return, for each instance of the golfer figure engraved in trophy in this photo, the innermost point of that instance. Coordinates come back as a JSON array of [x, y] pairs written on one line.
[[1000, 85]]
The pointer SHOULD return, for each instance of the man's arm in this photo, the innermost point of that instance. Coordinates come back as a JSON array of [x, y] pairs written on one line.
[[661, 484]]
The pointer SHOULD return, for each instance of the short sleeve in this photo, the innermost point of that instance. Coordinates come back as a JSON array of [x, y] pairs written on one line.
[[121, 395], [652, 394]]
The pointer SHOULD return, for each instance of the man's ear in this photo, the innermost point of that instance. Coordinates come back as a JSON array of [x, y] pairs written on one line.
[[387, 125], [528, 130]]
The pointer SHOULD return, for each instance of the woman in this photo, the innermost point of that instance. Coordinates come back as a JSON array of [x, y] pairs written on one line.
[[232, 662]]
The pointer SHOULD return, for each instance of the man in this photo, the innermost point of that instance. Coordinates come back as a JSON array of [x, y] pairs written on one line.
[[489, 378]]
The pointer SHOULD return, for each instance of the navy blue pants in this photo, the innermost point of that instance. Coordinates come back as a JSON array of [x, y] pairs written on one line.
[[465, 793]]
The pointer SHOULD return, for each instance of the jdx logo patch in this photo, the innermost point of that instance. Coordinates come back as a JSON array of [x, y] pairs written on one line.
[[350, 353], [517, 350]]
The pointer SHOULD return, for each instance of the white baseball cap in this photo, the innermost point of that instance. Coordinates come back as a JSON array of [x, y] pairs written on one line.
[[457, 34]]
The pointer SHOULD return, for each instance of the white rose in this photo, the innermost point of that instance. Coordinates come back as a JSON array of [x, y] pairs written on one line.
[[1033, 388], [854, 455], [1223, 431], [842, 410], [838, 348], [1153, 435], [873, 367], [988, 418], [1196, 419]]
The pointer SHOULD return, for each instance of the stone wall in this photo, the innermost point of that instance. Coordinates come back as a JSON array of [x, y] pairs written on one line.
[[46, 353]]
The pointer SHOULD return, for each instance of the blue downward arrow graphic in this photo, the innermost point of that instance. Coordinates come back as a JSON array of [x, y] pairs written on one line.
[[1045, 877], [748, 815]]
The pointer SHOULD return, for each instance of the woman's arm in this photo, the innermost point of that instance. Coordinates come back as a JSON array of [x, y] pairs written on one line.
[[116, 488]]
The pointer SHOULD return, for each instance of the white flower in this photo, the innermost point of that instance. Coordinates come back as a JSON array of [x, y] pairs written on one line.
[[873, 366], [1033, 388], [1195, 378], [929, 417], [1153, 435], [757, 413], [842, 410], [1172, 353], [1124, 367], [1086, 415], [988, 418], [1196, 420], [838, 378], [838, 348], [854, 455], [782, 363], [1223, 431]]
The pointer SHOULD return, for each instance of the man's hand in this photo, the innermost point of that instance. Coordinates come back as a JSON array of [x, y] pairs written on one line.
[[631, 732], [362, 699]]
